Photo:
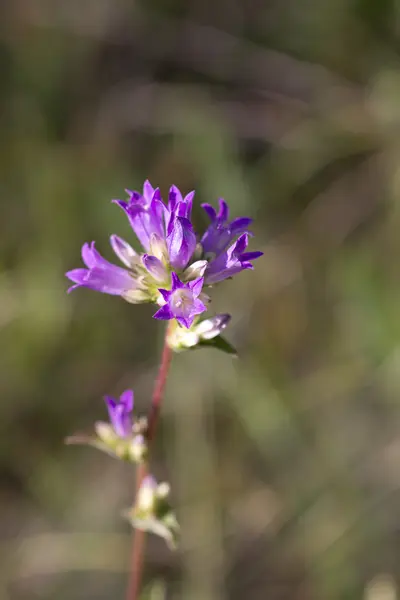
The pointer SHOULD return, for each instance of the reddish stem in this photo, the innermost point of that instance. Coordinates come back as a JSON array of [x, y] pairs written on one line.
[[139, 538]]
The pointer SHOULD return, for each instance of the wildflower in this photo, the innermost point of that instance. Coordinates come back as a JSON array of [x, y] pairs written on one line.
[[175, 264], [231, 261], [124, 437], [168, 227], [137, 285], [220, 233], [120, 413], [182, 301]]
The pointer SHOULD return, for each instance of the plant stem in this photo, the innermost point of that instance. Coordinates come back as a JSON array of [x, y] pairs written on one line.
[[139, 536]]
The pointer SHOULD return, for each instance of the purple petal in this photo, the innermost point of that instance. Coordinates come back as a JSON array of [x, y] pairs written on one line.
[[110, 402], [185, 321], [123, 250], [223, 211], [127, 399], [240, 224], [149, 482], [114, 281], [181, 243], [121, 203], [155, 267], [188, 200], [198, 307], [250, 255], [77, 275], [148, 191], [164, 313], [174, 197], [176, 282], [165, 294], [210, 210], [196, 286], [241, 244], [88, 256]]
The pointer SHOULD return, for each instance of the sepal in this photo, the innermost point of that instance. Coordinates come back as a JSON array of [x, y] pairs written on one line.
[[132, 448]]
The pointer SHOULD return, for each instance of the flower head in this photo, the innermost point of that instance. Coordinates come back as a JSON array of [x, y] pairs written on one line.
[[139, 283], [220, 232], [182, 301], [175, 263], [124, 437], [231, 261], [168, 226], [120, 413]]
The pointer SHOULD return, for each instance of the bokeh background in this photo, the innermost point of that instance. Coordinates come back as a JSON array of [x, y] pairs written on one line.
[[285, 463]]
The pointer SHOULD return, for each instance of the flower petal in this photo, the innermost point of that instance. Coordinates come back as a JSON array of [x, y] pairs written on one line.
[[246, 256], [196, 286], [176, 282], [223, 211], [123, 250], [127, 399], [155, 267], [181, 242], [164, 313], [165, 294], [77, 275], [210, 210]]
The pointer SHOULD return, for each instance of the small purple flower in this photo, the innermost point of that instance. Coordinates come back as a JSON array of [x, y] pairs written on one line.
[[220, 232], [145, 213], [231, 261], [102, 275], [182, 301], [120, 413], [139, 284], [152, 220], [181, 242]]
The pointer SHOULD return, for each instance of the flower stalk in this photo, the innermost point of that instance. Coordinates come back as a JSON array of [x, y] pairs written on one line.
[[139, 535]]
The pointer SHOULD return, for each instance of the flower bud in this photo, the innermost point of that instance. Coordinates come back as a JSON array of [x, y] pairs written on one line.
[[152, 511]]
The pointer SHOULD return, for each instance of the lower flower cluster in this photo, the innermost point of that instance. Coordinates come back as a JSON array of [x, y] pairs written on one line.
[[125, 437]]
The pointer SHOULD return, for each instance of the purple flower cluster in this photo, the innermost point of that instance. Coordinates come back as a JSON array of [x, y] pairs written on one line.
[[176, 265]]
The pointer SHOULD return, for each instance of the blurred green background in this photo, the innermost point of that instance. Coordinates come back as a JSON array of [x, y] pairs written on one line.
[[285, 464]]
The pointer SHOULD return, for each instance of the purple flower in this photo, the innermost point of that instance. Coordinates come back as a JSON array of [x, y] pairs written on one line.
[[154, 222], [139, 284], [173, 266], [220, 232], [182, 302], [100, 274], [181, 242], [231, 261], [120, 413]]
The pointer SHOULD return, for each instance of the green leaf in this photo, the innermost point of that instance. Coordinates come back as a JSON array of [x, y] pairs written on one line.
[[220, 343]]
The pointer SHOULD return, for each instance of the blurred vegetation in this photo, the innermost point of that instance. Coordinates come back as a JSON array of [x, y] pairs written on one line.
[[285, 464]]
